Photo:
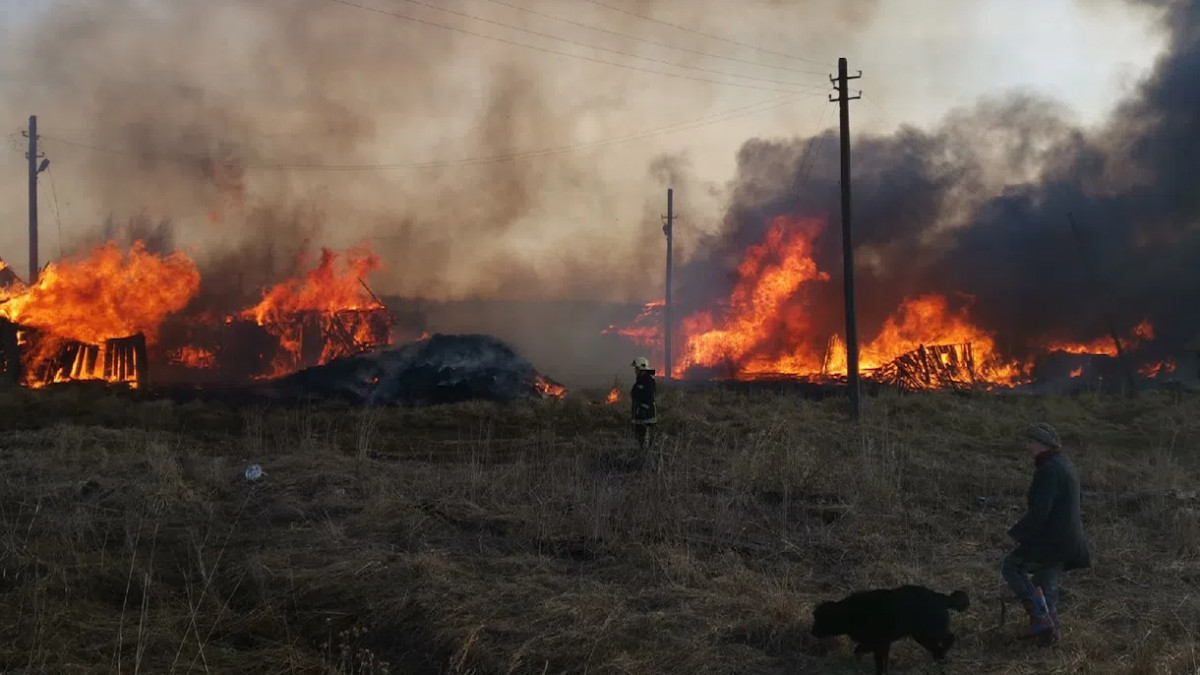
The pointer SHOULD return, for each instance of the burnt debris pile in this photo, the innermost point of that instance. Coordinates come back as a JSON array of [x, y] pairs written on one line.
[[435, 370]]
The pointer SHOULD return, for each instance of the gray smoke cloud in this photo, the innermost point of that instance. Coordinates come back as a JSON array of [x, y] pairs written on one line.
[[976, 209], [248, 133], [218, 116]]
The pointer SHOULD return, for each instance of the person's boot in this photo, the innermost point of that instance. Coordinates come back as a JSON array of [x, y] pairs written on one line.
[[1041, 626]]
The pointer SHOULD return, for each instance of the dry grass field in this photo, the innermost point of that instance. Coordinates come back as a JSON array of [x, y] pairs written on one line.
[[526, 538]]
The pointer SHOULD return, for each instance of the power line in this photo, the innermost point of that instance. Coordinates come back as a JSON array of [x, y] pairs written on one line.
[[756, 48], [652, 42], [473, 161], [642, 135], [57, 219], [547, 50], [14, 142], [818, 138], [887, 119], [465, 15]]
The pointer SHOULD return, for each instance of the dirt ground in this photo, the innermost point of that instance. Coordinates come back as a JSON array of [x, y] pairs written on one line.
[[529, 538]]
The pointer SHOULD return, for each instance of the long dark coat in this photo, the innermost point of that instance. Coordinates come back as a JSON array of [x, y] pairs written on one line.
[[1052, 529]]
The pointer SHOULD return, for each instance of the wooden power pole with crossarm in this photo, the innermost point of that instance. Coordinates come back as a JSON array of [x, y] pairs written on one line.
[[843, 99], [34, 170], [668, 229]]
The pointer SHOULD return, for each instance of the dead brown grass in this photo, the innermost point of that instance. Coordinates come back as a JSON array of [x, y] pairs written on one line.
[[520, 539]]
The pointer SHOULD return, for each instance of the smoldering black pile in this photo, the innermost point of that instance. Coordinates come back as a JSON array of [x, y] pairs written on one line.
[[977, 210], [436, 370]]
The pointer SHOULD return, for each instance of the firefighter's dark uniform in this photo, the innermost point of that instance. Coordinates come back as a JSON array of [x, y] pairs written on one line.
[[645, 410]]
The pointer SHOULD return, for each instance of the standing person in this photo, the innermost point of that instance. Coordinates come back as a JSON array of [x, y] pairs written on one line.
[[645, 411], [1050, 538]]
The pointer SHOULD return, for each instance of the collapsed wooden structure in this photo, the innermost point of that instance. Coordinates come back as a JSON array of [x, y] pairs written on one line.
[[239, 348], [120, 360], [330, 335], [931, 367]]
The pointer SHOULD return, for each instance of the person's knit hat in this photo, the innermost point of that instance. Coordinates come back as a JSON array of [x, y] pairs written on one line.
[[1043, 433]]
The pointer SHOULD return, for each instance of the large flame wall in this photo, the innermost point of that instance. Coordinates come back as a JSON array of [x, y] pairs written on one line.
[[83, 308], [767, 325]]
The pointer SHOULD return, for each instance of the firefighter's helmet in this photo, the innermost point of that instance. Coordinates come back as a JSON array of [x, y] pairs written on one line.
[[641, 363]]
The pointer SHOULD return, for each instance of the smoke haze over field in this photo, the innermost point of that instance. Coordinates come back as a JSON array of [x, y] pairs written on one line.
[[257, 129], [220, 116]]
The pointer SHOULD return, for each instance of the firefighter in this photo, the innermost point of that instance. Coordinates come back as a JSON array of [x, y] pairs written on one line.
[[644, 411]]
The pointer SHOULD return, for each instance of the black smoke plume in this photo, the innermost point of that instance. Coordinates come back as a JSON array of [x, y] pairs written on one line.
[[977, 210]]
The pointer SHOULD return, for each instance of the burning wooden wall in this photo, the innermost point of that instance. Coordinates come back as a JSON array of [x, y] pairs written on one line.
[[44, 359]]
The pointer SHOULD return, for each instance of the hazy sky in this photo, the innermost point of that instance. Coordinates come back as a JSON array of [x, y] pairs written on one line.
[[401, 92]]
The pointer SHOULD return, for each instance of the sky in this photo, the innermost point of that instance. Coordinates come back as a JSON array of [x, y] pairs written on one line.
[[385, 120]]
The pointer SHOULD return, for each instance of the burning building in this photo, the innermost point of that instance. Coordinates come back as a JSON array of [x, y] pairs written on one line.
[[116, 315]]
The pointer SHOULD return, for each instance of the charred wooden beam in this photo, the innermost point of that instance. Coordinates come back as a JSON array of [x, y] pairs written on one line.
[[143, 363], [109, 358], [81, 355], [312, 338], [10, 351], [125, 360], [90, 357], [336, 330]]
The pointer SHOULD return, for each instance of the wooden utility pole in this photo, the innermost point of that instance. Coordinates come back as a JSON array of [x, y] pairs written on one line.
[[1130, 382], [33, 202], [667, 323], [843, 99]]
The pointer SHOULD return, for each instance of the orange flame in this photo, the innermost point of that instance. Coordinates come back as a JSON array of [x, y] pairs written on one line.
[[765, 329], [1100, 346], [321, 289], [549, 389], [762, 307], [338, 299], [1077, 372], [613, 397], [68, 318], [927, 320], [1153, 370], [758, 309], [10, 283], [107, 294], [195, 357], [1104, 346], [646, 328]]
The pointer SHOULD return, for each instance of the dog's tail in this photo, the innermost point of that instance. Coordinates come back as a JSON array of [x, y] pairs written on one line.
[[958, 601]]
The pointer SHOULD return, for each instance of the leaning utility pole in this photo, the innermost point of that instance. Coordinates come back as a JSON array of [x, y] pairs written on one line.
[[33, 224], [667, 230], [843, 99]]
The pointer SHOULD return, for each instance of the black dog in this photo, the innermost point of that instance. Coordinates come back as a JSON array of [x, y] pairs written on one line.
[[876, 619]]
